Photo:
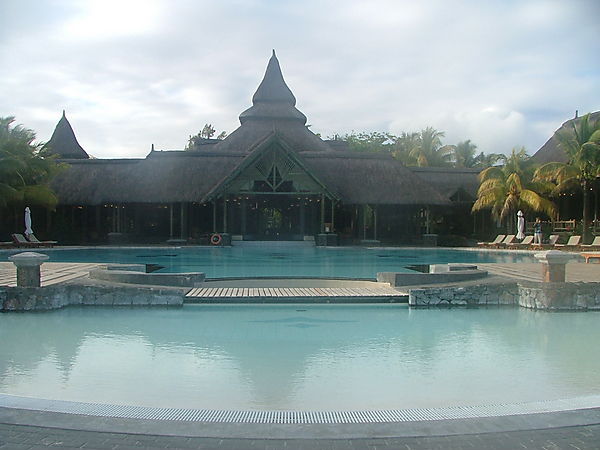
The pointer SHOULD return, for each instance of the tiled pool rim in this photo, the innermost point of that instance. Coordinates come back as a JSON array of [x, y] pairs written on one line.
[[297, 417]]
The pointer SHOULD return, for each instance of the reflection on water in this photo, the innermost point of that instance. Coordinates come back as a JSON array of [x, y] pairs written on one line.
[[277, 259], [302, 357]]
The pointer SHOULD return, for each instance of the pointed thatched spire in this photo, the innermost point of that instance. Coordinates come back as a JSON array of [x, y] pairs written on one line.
[[273, 100], [64, 143]]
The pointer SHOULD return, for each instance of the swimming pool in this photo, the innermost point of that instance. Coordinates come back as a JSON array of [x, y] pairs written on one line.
[[272, 259], [299, 357]]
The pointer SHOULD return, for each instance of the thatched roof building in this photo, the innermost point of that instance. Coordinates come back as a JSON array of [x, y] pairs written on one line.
[[272, 161], [64, 143], [551, 151]]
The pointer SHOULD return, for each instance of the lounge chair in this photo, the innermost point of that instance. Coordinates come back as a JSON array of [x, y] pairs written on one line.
[[595, 245], [573, 242], [498, 239], [20, 241], [31, 238], [508, 240], [525, 243], [552, 240]]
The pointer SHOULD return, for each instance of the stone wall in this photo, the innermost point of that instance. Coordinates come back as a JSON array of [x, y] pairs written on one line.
[[479, 295], [540, 296], [53, 297], [560, 296]]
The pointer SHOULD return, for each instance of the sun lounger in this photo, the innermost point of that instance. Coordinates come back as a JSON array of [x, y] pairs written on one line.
[[571, 243], [525, 243], [20, 241], [552, 240], [498, 239], [35, 240], [595, 245], [508, 240]]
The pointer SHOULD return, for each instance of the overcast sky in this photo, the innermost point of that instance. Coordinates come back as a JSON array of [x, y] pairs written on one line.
[[131, 73]]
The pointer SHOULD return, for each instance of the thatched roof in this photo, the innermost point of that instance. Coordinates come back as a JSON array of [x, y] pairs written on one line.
[[551, 151], [64, 143], [366, 178], [204, 173], [450, 181]]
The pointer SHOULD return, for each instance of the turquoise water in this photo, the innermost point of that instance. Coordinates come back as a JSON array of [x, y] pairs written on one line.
[[281, 260], [299, 357]]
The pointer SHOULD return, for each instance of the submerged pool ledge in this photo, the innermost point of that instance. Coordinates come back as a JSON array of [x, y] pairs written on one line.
[[297, 417]]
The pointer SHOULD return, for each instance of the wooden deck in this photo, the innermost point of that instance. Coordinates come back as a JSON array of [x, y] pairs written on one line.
[[207, 294], [51, 273]]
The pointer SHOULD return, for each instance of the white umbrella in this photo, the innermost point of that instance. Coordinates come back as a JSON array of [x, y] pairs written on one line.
[[28, 230], [520, 225]]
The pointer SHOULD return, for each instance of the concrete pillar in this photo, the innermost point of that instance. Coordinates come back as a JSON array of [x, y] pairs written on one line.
[[553, 265], [28, 268]]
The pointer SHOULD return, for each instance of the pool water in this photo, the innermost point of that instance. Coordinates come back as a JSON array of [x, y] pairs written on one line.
[[299, 357], [281, 259]]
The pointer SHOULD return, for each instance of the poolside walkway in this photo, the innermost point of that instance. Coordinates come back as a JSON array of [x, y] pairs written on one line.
[[575, 271], [52, 273]]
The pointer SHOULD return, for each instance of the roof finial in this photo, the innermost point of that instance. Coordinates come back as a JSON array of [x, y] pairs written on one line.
[[576, 113], [274, 53], [152, 148], [64, 114]]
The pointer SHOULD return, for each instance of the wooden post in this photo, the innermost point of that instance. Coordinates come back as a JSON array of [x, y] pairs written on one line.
[[322, 213], [214, 215], [244, 212], [171, 221], [332, 215], [302, 218], [225, 214], [375, 222], [364, 221], [182, 221]]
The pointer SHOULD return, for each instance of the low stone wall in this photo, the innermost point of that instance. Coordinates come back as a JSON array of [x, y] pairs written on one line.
[[190, 279], [479, 295], [396, 279], [54, 297], [560, 296], [539, 296]]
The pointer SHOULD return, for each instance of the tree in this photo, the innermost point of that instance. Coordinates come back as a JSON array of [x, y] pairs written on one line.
[[26, 168], [508, 188], [430, 152], [582, 145], [207, 132], [464, 153], [488, 159], [374, 141], [404, 147]]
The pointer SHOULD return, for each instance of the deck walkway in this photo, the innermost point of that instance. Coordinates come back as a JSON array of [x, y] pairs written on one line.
[[52, 273], [214, 294], [575, 271]]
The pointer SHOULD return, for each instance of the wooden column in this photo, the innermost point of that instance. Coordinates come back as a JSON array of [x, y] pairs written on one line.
[[244, 213], [182, 220], [364, 222], [171, 221], [322, 227], [302, 218], [225, 214], [214, 215], [332, 215], [375, 223]]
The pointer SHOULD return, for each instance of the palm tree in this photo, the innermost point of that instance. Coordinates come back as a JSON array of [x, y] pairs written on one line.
[[464, 153], [25, 167], [508, 188], [404, 146], [430, 151], [582, 146]]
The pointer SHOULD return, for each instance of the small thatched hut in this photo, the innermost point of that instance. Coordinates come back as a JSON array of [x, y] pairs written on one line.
[[272, 178]]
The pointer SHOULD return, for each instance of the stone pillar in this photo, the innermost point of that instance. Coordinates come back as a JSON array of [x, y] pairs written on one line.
[[28, 268], [553, 265]]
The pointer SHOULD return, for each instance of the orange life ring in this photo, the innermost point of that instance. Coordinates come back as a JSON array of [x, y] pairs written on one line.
[[216, 239]]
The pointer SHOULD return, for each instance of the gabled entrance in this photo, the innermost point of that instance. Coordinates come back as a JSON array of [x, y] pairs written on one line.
[[272, 196]]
